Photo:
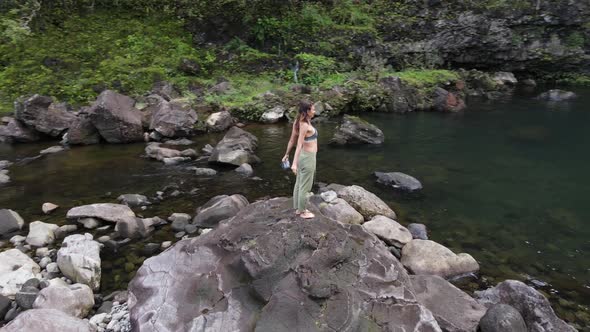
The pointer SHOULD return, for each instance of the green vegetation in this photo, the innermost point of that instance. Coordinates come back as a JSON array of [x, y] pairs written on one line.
[[427, 78], [575, 39]]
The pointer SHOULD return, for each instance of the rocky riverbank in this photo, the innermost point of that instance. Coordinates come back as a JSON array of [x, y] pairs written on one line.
[[244, 266]]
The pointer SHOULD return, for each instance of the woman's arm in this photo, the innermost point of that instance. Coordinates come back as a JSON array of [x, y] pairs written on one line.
[[302, 131], [292, 141]]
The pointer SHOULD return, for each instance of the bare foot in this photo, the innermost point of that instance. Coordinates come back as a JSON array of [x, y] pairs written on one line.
[[307, 215]]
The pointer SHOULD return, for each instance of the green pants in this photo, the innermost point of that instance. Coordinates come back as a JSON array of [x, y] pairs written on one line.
[[305, 174]]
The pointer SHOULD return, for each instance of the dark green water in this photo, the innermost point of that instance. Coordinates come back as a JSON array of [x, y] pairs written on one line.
[[505, 181]]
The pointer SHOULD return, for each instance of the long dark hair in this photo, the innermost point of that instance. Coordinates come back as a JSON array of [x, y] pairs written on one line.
[[304, 107]]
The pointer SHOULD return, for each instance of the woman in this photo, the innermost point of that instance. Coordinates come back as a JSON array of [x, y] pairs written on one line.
[[305, 136]]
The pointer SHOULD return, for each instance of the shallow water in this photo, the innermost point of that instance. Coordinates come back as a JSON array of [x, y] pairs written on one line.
[[505, 181]]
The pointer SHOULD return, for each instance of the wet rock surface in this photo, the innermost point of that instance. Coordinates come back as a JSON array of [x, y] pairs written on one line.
[[425, 257], [236, 148], [353, 130], [268, 270], [398, 180]]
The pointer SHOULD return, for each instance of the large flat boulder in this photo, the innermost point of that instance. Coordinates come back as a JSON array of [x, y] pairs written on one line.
[[453, 309], [425, 257], [105, 211], [354, 130], [268, 270], [365, 202], [10, 221], [219, 208], [236, 148], [37, 320], [532, 305], [338, 209], [116, 118], [15, 269], [75, 300], [79, 260], [171, 119]]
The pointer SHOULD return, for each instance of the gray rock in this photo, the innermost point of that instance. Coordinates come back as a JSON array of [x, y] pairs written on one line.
[[12, 313], [44, 261], [17, 240], [15, 269], [150, 249], [172, 119], [103, 239], [532, 305], [4, 306], [41, 234], [105, 307], [245, 169], [166, 244], [53, 268], [353, 130], [53, 149], [89, 223], [205, 172], [76, 300], [4, 178], [220, 88], [47, 208], [179, 221], [40, 113], [446, 101], [155, 151], [327, 289], [105, 211], [165, 90], [453, 309], [329, 196], [180, 141], [219, 208], [5, 164], [208, 149], [79, 260], [135, 228], [273, 115], [116, 119], [26, 296], [62, 231], [17, 132], [502, 318], [418, 231], [341, 211], [365, 202], [219, 121], [190, 229], [388, 230], [47, 320], [505, 78], [399, 180], [133, 200], [82, 131], [236, 147], [425, 257], [175, 160], [557, 95], [10, 221]]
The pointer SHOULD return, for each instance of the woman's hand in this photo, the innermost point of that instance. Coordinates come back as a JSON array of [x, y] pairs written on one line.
[[294, 168], [285, 158]]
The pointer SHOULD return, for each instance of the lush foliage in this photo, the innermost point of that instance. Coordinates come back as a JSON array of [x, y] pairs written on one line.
[[74, 61]]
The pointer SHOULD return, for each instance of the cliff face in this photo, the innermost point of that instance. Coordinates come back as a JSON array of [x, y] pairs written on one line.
[[520, 36]]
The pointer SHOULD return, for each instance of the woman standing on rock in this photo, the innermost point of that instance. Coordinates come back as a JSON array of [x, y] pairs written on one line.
[[305, 135]]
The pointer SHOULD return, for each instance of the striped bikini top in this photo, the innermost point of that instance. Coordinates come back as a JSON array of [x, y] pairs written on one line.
[[312, 137]]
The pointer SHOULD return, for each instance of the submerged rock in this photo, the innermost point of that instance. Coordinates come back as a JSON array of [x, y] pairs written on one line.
[[133, 200], [353, 130], [445, 101], [557, 95], [268, 270], [532, 305], [425, 257], [399, 181], [4, 178], [52, 149]]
